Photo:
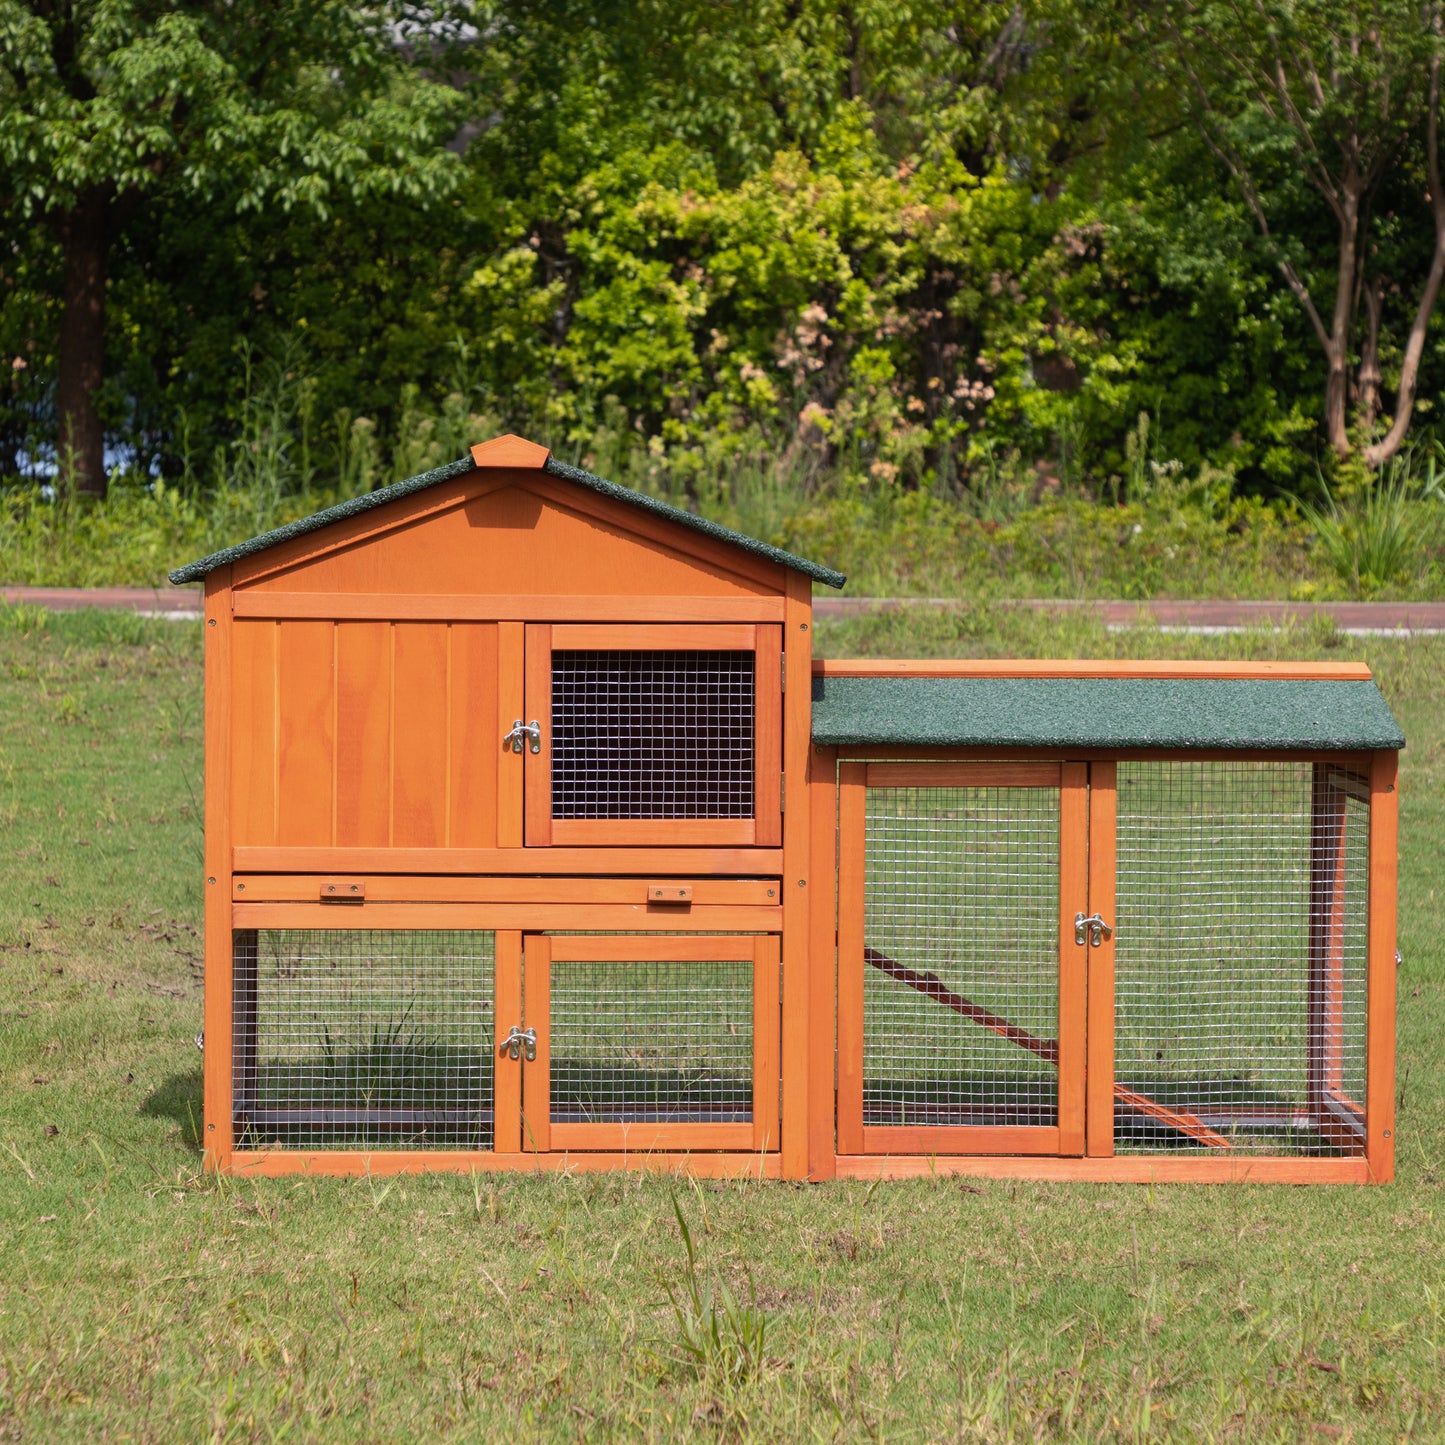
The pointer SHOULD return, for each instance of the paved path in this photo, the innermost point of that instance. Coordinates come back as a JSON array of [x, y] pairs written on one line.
[[178, 602], [1361, 618]]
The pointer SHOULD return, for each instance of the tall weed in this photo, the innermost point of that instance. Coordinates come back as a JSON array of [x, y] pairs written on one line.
[[717, 1336], [1376, 538]]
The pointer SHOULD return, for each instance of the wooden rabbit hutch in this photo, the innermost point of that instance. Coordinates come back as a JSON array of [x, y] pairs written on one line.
[[536, 838]]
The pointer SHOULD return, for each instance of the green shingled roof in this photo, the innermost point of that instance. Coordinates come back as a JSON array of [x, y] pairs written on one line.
[[1029, 712], [194, 571]]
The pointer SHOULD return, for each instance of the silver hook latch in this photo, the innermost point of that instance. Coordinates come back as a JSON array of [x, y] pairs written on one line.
[[532, 731], [519, 1040], [1094, 926]]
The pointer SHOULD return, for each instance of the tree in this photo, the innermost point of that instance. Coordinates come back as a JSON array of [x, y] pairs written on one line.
[[298, 104], [1346, 96]]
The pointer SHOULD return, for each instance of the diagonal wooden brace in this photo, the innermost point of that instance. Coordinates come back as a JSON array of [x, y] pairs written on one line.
[[931, 986]]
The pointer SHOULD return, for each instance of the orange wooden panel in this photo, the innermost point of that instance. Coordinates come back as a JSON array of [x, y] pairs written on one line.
[[252, 731], [625, 1138], [363, 734], [690, 862], [384, 888], [348, 1164], [797, 742], [537, 1073], [511, 707], [422, 707], [1380, 989], [1075, 667], [950, 1139], [1099, 1089], [823, 963], [963, 775], [1123, 1169], [1073, 960], [509, 451], [508, 606], [852, 875], [658, 534], [768, 736], [350, 539], [216, 1066], [537, 767], [512, 532], [767, 1065], [306, 750], [656, 637], [475, 758], [681, 948], [507, 1105], [619, 916]]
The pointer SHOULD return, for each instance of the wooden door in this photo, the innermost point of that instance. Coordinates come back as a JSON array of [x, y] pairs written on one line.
[[651, 1043], [653, 735], [961, 1004]]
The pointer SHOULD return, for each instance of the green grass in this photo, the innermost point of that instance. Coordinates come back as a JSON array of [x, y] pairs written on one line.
[[889, 543], [142, 1300]]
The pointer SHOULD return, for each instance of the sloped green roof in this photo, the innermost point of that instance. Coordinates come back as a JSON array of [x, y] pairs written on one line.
[[1030, 712], [194, 571]]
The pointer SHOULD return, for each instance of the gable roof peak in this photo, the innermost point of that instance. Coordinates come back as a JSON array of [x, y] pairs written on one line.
[[512, 453]]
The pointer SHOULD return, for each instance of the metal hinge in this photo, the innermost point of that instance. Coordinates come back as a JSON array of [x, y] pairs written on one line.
[[1095, 926], [532, 731], [783, 672], [517, 1041], [783, 793]]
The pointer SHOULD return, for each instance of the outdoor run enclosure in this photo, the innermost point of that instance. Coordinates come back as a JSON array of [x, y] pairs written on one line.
[[536, 838]]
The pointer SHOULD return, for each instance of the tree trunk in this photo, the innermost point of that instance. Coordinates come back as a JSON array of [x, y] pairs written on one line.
[[1389, 444], [1337, 348], [1369, 377], [84, 236]]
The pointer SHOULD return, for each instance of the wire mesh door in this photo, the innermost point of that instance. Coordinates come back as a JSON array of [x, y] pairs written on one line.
[[661, 1042], [961, 989], [1239, 1018], [662, 735], [363, 1039]]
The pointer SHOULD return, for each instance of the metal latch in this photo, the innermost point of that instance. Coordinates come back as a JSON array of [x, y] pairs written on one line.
[[517, 1041], [532, 731], [1098, 929]]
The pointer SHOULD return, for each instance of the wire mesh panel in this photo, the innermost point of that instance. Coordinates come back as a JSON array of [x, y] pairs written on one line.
[[375, 1039], [961, 983], [660, 735], [660, 1041], [1240, 954]]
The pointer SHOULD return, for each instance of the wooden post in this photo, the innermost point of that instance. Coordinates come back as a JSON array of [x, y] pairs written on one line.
[[216, 1069], [1073, 961], [1103, 834], [822, 993], [852, 877], [797, 875], [1380, 991]]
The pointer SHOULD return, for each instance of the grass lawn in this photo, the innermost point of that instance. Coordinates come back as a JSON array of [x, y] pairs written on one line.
[[140, 1299]]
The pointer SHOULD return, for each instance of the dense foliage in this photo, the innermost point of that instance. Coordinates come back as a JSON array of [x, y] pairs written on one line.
[[904, 243]]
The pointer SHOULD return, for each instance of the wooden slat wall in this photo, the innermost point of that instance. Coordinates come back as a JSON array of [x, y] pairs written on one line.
[[365, 734]]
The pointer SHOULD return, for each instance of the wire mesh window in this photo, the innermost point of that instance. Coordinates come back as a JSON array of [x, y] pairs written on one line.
[[639, 734], [657, 1041], [373, 1039], [961, 991], [1240, 957]]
